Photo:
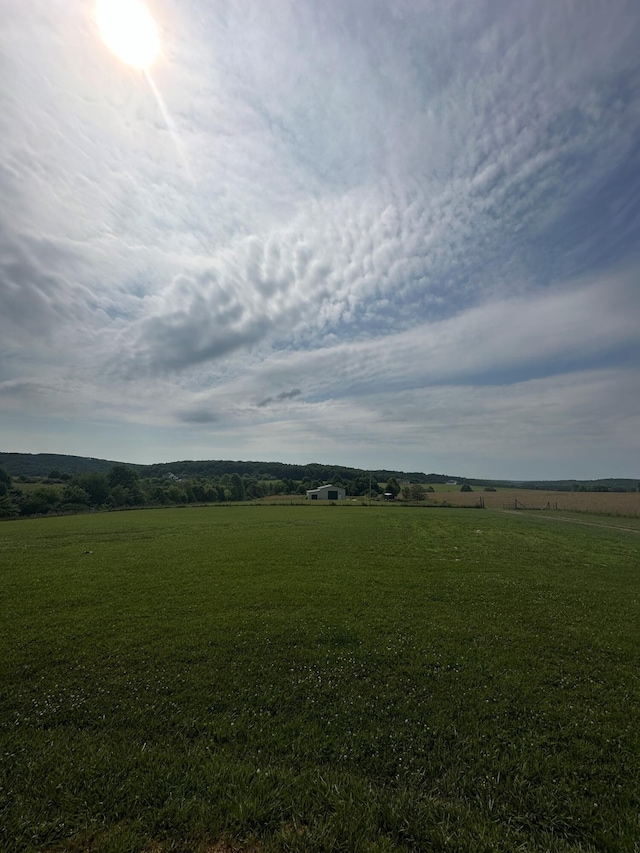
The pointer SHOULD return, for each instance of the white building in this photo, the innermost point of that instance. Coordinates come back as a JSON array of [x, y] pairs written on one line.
[[326, 493]]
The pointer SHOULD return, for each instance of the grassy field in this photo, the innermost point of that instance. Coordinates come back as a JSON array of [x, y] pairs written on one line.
[[595, 520], [318, 679], [28, 488]]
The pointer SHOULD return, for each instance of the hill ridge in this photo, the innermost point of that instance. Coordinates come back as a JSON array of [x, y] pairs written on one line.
[[43, 464]]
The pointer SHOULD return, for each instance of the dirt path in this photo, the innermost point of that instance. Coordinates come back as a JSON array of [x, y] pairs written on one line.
[[574, 521]]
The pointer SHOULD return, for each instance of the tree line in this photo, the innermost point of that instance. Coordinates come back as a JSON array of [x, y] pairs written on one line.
[[122, 486], [38, 464]]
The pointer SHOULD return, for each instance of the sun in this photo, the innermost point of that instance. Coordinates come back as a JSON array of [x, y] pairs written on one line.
[[129, 30]]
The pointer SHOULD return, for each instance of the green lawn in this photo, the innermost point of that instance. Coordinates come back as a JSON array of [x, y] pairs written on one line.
[[318, 679]]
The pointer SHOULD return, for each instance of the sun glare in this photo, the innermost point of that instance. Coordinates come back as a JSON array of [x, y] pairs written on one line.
[[129, 30]]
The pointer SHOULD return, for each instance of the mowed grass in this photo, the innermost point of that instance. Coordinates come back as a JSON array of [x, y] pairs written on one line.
[[318, 679]]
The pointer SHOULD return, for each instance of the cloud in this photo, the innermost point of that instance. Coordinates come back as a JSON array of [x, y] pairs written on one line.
[[197, 416], [536, 335], [36, 297], [283, 395], [16, 389], [526, 429], [389, 199]]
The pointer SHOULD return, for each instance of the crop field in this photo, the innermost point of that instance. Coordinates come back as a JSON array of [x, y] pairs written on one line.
[[605, 503], [306, 678], [625, 504]]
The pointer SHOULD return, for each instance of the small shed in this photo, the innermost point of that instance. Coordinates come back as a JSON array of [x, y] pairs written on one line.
[[326, 493]]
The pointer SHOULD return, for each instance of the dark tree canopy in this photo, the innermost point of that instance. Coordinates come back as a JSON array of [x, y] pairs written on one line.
[[121, 475], [5, 482], [392, 486]]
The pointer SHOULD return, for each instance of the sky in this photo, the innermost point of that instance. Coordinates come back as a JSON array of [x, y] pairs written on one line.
[[396, 234]]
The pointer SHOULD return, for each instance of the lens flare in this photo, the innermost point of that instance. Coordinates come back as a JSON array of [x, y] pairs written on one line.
[[129, 30]]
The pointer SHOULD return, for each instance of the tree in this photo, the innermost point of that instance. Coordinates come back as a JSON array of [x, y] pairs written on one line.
[[254, 489], [8, 507], [72, 494], [95, 485], [237, 488], [120, 475], [5, 482], [360, 486], [176, 495], [393, 487], [210, 494], [466, 488], [417, 492], [129, 480], [38, 502]]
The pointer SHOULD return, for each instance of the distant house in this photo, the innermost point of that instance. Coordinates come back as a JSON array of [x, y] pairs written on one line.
[[326, 493], [452, 483]]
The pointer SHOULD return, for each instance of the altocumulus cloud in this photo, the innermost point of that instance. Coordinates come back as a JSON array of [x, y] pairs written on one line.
[[197, 416], [279, 398], [407, 221]]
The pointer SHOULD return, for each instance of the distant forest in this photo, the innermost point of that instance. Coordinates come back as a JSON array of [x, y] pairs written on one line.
[[42, 464], [62, 467]]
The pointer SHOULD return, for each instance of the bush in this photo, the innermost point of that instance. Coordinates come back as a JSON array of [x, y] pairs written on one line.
[[38, 502], [75, 496], [5, 482], [8, 507]]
